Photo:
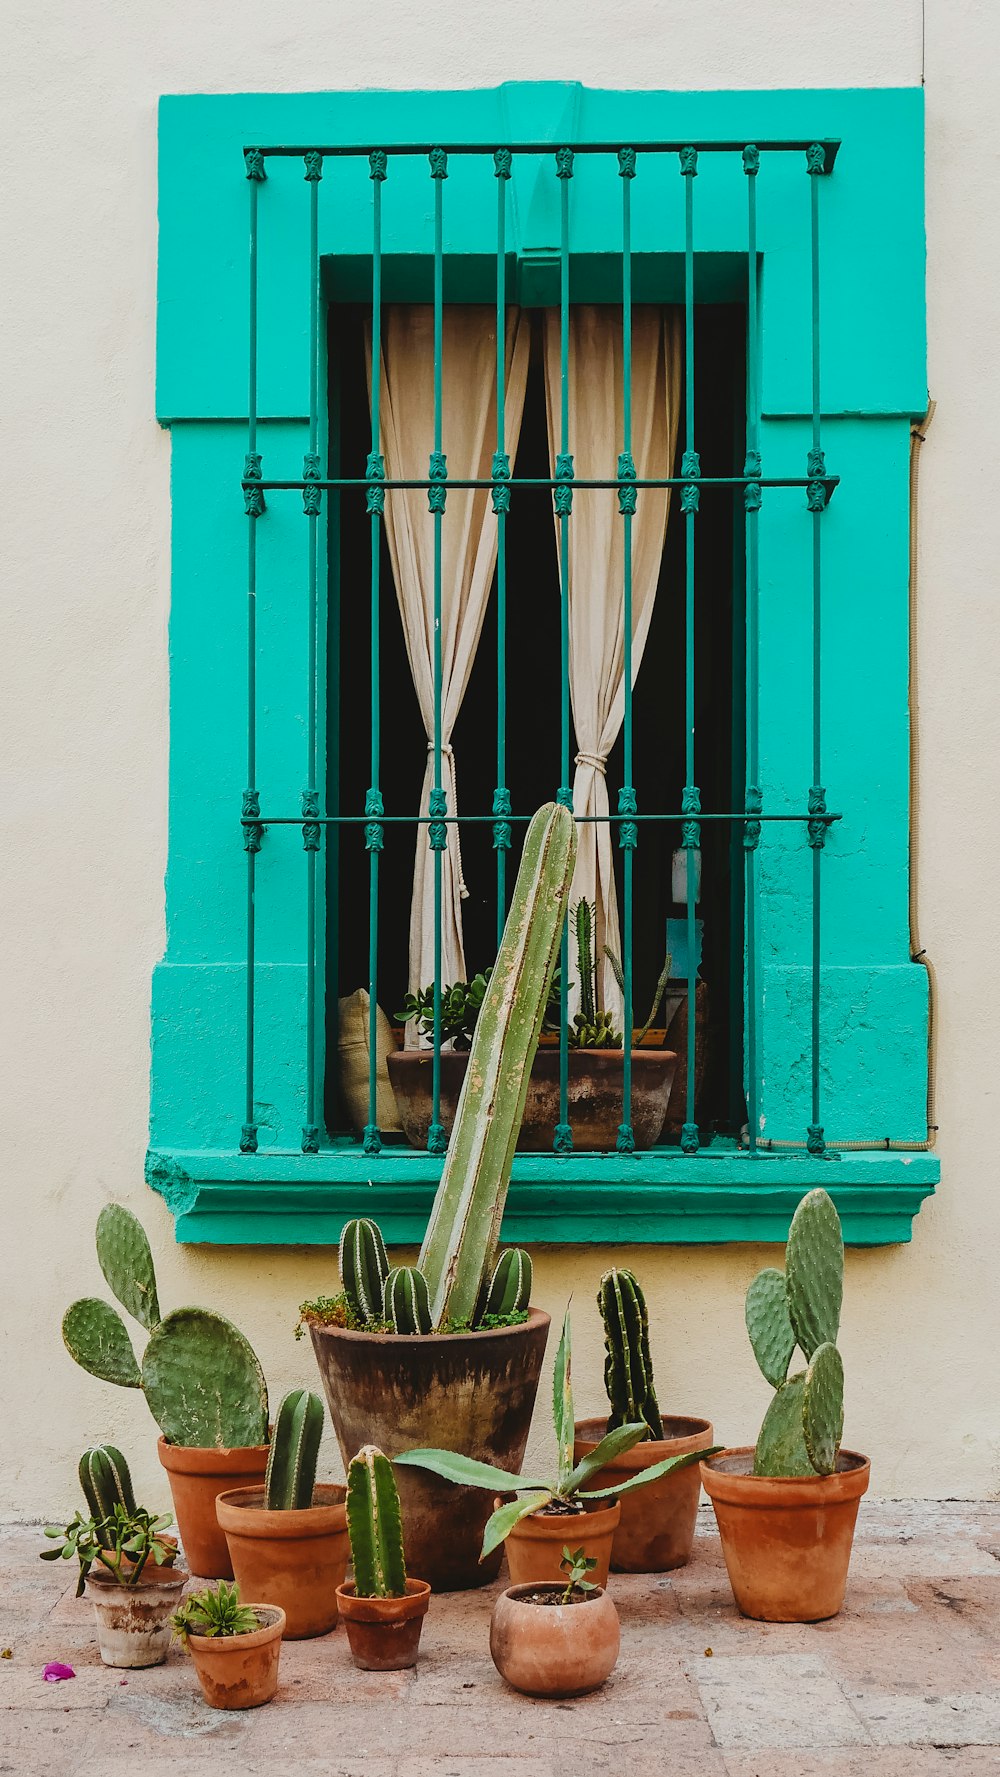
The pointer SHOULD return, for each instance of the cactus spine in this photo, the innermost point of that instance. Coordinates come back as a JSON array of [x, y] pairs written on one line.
[[508, 1289], [106, 1482], [628, 1367], [363, 1269], [375, 1526], [405, 1301], [804, 1424], [291, 1461], [468, 1208]]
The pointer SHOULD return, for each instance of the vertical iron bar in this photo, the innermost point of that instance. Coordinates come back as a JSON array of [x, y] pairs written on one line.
[[501, 506], [436, 495], [311, 501], [690, 495], [253, 497], [751, 501], [628, 830], [816, 502], [563, 502], [375, 506]]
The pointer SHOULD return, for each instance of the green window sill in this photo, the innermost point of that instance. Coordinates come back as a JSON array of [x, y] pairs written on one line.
[[720, 1195]]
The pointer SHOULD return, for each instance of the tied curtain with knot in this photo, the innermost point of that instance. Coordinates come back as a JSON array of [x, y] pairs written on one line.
[[597, 559]]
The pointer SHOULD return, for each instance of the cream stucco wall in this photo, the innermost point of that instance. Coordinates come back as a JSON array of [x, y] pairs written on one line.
[[84, 596]]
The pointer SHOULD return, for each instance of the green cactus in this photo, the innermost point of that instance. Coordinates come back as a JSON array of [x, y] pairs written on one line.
[[363, 1269], [628, 1367], [584, 917], [508, 1288], [124, 1256], [804, 1424], [375, 1526], [291, 1461], [468, 1208], [106, 1482], [405, 1301], [94, 1334]]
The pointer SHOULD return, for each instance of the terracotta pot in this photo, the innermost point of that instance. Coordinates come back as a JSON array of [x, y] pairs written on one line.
[[294, 1559], [240, 1671], [554, 1650], [133, 1622], [197, 1477], [384, 1633], [471, 1392], [535, 1545], [656, 1529], [787, 1543], [595, 1096]]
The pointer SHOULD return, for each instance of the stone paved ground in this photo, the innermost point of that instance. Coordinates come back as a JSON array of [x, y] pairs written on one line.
[[906, 1683]]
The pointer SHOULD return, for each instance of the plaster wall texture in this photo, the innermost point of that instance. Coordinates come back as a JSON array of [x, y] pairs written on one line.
[[84, 526]]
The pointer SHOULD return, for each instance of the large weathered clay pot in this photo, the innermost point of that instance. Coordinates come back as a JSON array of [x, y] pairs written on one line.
[[656, 1529], [787, 1543], [595, 1096], [554, 1650], [197, 1477], [295, 1559], [240, 1671], [133, 1622], [471, 1392], [535, 1545], [384, 1633]]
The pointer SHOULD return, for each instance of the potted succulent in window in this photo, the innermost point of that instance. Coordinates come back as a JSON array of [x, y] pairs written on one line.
[[288, 1539], [786, 1510], [555, 1639], [449, 1353], [535, 1523], [383, 1610], [127, 1565], [656, 1529], [200, 1376], [235, 1647]]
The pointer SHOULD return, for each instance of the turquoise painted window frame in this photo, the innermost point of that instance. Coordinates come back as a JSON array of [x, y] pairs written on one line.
[[874, 383]]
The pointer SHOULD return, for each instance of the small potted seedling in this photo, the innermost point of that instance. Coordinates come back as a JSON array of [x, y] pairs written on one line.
[[235, 1646], [534, 1524], [383, 1610], [656, 1529], [556, 1639], [288, 1539], [786, 1509]]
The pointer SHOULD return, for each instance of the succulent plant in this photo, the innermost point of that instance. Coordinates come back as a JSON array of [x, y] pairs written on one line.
[[291, 1460], [405, 1301], [375, 1526], [364, 1268], [800, 1307], [106, 1482], [628, 1367], [508, 1288], [201, 1378]]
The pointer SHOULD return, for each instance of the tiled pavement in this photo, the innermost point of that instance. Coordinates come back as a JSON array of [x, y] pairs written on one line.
[[906, 1683]]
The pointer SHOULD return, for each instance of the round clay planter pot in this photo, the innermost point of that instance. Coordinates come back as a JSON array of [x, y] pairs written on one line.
[[384, 1633], [471, 1392], [240, 1671], [197, 1477], [656, 1529], [595, 1096], [787, 1543], [133, 1622], [294, 1559], [554, 1650], [535, 1545]]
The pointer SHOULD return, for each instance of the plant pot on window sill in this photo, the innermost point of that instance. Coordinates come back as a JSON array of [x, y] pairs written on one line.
[[595, 1096]]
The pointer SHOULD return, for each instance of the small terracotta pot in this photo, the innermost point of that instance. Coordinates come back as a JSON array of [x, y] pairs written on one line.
[[554, 1650], [197, 1477], [384, 1633], [295, 1559], [535, 1545], [787, 1543], [240, 1671], [133, 1622], [656, 1530]]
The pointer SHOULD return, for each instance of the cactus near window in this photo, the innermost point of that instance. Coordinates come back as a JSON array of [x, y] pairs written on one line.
[[628, 1367], [291, 1462], [375, 1526]]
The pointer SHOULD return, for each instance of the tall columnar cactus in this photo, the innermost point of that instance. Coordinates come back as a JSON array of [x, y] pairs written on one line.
[[405, 1301], [628, 1367], [291, 1461], [803, 1426], [375, 1526], [106, 1482], [364, 1268], [201, 1378], [464, 1226]]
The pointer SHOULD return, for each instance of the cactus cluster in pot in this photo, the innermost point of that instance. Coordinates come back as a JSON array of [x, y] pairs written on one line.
[[800, 1307]]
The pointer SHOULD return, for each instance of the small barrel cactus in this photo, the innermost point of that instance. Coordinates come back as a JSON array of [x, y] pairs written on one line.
[[364, 1268], [800, 1307], [628, 1367], [406, 1304], [106, 1482], [508, 1288], [291, 1461], [375, 1526]]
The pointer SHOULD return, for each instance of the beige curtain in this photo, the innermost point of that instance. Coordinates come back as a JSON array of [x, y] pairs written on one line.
[[469, 541], [596, 532]]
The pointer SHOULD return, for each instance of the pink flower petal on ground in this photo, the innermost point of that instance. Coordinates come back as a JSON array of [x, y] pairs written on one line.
[[55, 1671]]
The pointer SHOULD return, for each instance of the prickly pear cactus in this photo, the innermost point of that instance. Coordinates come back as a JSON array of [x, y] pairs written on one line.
[[125, 1258], [94, 1334], [804, 1424], [203, 1382], [291, 1462], [375, 1526], [406, 1302], [508, 1288], [823, 1408], [364, 1268], [768, 1325], [628, 1367], [814, 1272], [781, 1445]]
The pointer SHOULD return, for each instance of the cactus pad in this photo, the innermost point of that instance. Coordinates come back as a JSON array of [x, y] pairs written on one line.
[[768, 1325], [375, 1526], [94, 1334], [291, 1460], [823, 1408], [509, 1288], [405, 1301], [781, 1448], [814, 1272], [203, 1383], [125, 1258]]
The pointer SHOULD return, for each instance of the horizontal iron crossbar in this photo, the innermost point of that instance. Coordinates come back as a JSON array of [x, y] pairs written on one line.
[[514, 481], [461, 820], [347, 150]]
